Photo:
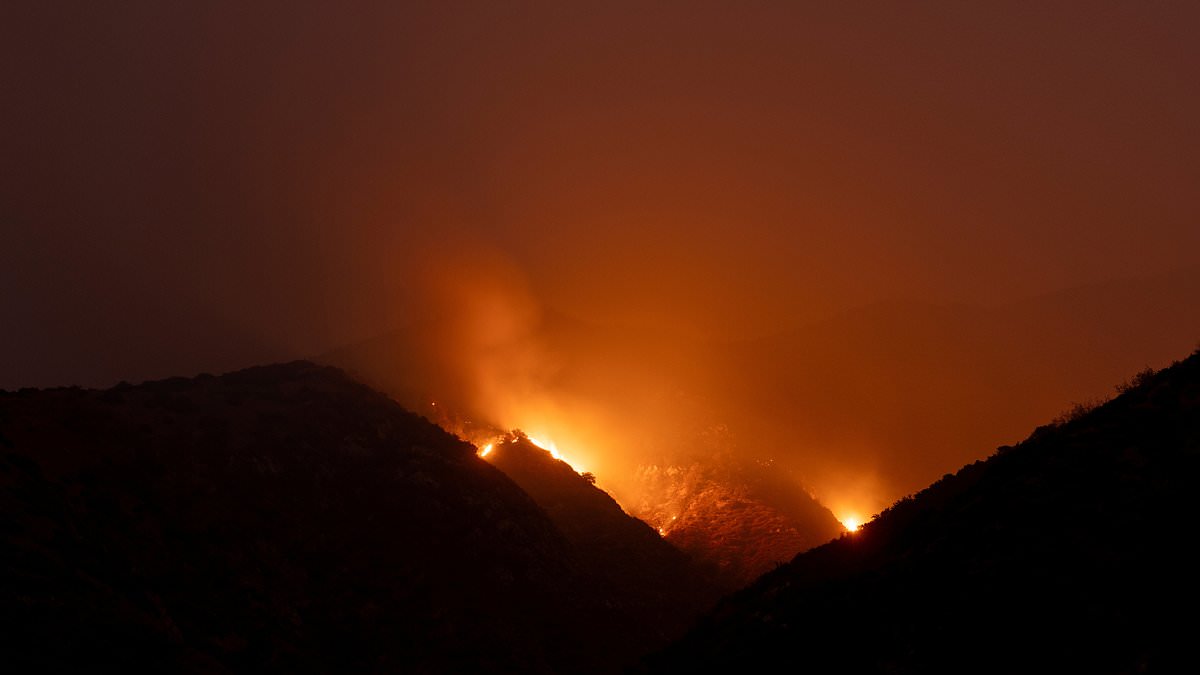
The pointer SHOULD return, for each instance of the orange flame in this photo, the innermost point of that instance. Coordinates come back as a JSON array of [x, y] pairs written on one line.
[[550, 447]]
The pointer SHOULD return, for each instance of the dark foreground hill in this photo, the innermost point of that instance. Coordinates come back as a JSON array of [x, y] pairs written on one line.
[[643, 577], [282, 518], [1072, 552]]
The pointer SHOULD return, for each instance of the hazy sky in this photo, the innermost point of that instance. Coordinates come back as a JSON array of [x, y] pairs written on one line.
[[198, 186]]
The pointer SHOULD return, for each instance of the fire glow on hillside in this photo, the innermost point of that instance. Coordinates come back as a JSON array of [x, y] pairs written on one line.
[[549, 446]]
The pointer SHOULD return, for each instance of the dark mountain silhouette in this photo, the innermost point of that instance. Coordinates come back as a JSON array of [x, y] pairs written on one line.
[[1070, 552], [644, 577], [281, 518]]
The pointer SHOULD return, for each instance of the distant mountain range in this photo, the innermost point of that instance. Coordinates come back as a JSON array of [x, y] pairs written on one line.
[[1071, 552]]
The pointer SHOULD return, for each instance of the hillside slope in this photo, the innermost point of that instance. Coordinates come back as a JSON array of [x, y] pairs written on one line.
[[741, 518], [281, 518], [1071, 552], [647, 580]]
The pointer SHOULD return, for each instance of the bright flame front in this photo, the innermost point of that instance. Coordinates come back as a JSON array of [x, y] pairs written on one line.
[[552, 448], [547, 445]]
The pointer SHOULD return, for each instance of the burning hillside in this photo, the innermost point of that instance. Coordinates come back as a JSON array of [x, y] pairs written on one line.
[[741, 518], [637, 417], [734, 517], [646, 579]]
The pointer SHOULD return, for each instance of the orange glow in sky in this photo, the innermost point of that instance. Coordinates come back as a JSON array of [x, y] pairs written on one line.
[[859, 259]]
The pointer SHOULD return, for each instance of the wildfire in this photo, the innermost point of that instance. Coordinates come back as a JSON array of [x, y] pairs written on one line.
[[551, 448], [548, 446], [851, 523]]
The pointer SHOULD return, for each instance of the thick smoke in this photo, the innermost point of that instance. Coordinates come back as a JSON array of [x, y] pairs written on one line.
[[858, 410], [688, 211]]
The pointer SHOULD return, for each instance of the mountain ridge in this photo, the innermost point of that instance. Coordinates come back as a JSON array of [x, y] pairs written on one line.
[[278, 518], [643, 574], [973, 575]]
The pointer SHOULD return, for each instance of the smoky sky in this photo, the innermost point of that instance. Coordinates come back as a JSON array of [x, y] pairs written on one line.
[[201, 186]]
